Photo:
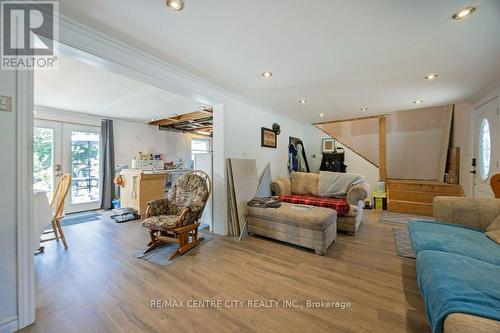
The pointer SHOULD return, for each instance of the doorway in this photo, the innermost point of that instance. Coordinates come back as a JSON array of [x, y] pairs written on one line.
[[486, 143], [63, 148]]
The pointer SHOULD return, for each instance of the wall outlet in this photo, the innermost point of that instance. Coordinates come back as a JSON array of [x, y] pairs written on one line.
[[5, 104]]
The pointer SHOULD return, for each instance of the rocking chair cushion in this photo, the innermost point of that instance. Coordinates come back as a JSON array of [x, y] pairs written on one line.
[[161, 222]]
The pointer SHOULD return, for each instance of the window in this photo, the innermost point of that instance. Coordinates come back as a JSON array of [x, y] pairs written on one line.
[[484, 149], [199, 146]]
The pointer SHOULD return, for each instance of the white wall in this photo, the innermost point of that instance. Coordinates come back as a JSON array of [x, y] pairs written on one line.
[[130, 137], [242, 128], [8, 243], [313, 137]]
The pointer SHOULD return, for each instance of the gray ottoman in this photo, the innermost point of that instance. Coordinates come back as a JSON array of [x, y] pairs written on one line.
[[307, 226]]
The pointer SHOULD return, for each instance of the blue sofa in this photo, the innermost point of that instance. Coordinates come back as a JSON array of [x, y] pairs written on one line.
[[458, 271]]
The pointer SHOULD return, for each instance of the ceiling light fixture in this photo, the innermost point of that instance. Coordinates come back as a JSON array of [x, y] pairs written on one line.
[[321, 115], [177, 5], [431, 76], [463, 13], [203, 132], [303, 101], [418, 102], [267, 74], [364, 109]]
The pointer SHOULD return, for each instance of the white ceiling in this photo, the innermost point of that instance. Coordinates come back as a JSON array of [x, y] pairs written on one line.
[[339, 55], [83, 88]]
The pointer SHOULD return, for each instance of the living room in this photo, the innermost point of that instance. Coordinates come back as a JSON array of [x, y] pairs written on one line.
[[373, 112]]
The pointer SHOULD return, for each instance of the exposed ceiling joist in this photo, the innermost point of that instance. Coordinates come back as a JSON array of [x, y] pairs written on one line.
[[190, 122], [191, 116]]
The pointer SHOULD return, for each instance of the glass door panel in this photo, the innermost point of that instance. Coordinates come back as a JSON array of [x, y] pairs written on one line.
[[46, 155], [81, 144], [84, 167], [43, 160]]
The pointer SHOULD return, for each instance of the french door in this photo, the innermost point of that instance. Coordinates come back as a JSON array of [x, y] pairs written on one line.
[[486, 147], [63, 148]]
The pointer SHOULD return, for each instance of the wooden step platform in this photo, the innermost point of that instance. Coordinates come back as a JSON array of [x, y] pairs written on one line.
[[415, 196]]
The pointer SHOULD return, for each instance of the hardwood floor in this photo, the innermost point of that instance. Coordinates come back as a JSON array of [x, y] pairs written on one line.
[[98, 286]]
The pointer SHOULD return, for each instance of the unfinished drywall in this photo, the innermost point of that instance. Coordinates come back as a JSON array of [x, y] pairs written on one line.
[[462, 138], [415, 142], [313, 138], [361, 136]]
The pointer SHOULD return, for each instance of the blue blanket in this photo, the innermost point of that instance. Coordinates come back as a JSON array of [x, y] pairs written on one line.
[[453, 283], [452, 238]]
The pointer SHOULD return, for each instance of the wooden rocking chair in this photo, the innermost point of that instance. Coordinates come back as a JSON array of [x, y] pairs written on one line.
[[176, 219], [57, 205]]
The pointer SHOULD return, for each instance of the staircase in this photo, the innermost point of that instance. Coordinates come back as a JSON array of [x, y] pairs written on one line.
[[415, 196]]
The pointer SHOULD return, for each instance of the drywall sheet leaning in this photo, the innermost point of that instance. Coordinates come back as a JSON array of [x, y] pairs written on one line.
[[245, 182], [234, 229], [264, 189]]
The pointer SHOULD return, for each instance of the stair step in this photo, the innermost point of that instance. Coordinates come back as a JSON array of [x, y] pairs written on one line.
[[417, 196], [426, 187], [410, 207]]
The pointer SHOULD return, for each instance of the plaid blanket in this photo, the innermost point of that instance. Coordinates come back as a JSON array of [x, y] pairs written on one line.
[[340, 205]]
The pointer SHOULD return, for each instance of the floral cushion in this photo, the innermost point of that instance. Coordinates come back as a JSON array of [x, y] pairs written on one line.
[[189, 191], [160, 222]]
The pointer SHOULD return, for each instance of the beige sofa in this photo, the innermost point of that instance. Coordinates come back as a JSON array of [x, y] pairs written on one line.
[[307, 184], [476, 213]]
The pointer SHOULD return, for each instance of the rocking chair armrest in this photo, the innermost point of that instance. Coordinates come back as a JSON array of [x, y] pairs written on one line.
[[184, 213]]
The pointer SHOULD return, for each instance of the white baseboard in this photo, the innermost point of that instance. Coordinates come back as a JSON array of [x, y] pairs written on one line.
[[9, 325]]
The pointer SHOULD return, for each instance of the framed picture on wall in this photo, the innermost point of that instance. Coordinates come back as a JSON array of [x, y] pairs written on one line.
[[328, 145], [268, 138]]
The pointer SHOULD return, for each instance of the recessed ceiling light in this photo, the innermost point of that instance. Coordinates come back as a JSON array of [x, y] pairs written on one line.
[[431, 76], [303, 101], [364, 109], [463, 13], [267, 74], [321, 115], [177, 5], [418, 102]]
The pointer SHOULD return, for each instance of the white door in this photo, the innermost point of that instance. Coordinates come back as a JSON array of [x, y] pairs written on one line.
[[62, 148], [486, 147]]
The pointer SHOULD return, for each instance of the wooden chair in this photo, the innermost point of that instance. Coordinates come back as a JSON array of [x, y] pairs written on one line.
[[176, 219], [495, 185], [57, 204]]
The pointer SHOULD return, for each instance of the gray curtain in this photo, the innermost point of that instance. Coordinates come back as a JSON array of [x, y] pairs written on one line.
[[107, 166]]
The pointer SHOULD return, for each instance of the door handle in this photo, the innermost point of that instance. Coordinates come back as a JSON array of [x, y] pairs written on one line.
[[473, 171]]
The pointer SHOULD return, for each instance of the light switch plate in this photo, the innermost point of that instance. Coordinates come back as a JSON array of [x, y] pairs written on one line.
[[5, 104]]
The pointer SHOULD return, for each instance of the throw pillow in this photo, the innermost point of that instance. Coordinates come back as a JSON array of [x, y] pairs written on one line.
[[495, 225], [494, 235]]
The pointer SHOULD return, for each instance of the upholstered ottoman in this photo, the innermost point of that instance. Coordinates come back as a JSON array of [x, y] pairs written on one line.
[[307, 226]]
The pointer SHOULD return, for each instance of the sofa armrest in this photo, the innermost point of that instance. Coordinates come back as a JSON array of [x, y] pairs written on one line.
[[281, 186], [476, 213], [358, 192]]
